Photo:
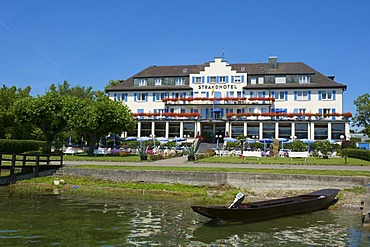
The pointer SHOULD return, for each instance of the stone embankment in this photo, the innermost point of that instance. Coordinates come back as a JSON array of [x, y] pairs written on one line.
[[235, 179]]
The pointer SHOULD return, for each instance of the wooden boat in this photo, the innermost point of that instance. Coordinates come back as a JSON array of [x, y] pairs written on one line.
[[264, 210]]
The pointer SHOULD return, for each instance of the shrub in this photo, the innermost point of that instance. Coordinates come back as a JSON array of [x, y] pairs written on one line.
[[21, 146], [356, 153]]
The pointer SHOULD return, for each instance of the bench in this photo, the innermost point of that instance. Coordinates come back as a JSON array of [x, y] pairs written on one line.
[[304, 155], [252, 154], [100, 151], [70, 150]]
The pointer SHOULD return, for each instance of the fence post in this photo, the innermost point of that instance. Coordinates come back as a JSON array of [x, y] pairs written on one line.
[[61, 160], [12, 169], [1, 161], [37, 165], [48, 159]]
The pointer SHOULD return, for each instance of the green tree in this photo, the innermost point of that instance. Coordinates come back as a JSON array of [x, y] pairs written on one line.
[[111, 84], [299, 146], [362, 117], [8, 128], [324, 147], [97, 116], [45, 112]]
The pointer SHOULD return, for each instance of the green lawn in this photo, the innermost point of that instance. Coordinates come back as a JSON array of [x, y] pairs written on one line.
[[285, 161], [115, 158]]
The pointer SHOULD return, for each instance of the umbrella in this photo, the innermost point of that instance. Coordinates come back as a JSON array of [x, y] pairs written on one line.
[[179, 139], [266, 140], [216, 110], [250, 140], [307, 141], [131, 138], [143, 139], [229, 139], [161, 139]]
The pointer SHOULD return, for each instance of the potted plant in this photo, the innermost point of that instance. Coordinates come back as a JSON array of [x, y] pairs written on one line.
[[191, 151], [142, 153]]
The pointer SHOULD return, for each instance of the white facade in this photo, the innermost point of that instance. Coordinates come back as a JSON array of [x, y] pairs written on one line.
[[235, 100]]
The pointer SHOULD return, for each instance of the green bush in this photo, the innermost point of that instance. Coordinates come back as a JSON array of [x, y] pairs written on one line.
[[21, 146], [356, 153]]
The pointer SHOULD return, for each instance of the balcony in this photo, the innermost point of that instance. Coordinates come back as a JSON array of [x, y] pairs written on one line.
[[222, 100]]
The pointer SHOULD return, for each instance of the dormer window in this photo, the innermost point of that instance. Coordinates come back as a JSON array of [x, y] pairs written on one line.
[[212, 79], [198, 79], [304, 79], [142, 82], [179, 81], [222, 79], [158, 82]]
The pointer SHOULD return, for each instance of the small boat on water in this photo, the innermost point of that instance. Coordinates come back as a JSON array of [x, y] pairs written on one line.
[[275, 208]]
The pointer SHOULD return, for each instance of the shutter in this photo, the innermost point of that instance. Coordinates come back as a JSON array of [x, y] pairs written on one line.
[[295, 110], [295, 95], [273, 94], [165, 95], [242, 78], [207, 79], [207, 94], [126, 97], [333, 111], [334, 97], [153, 97], [115, 96], [251, 94], [146, 96], [232, 78], [320, 96], [320, 110], [173, 95], [202, 79], [206, 113], [309, 95], [217, 79], [242, 110], [135, 97], [286, 95], [191, 110], [191, 94], [227, 111], [193, 79], [227, 79]]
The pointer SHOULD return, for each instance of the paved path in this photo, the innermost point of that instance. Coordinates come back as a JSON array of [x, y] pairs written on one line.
[[182, 162]]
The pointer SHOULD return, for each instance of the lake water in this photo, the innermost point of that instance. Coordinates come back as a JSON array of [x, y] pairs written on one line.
[[59, 220]]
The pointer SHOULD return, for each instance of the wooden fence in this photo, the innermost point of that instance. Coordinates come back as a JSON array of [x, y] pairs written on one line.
[[36, 162]]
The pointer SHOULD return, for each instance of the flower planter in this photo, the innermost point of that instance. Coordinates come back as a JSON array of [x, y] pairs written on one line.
[[191, 158]]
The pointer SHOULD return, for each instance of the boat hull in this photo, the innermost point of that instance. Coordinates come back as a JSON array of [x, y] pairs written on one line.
[[264, 210]]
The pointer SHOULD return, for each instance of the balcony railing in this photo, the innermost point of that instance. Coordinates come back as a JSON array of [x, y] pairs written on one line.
[[223, 100]]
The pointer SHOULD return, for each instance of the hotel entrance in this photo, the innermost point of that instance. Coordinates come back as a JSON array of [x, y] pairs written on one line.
[[210, 130]]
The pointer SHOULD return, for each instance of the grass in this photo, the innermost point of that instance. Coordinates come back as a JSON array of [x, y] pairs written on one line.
[[111, 158], [285, 161], [226, 169]]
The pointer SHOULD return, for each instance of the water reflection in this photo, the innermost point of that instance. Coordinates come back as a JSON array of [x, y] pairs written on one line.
[[44, 220]]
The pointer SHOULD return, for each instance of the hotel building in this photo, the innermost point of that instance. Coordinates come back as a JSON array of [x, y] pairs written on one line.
[[258, 100]]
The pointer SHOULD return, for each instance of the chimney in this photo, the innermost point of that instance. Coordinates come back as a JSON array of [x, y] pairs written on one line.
[[273, 62]]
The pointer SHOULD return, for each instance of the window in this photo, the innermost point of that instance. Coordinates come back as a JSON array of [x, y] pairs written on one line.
[[326, 95], [142, 82], [253, 80], [260, 80], [302, 95], [280, 80], [280, 95], [304, 79], [159, 96], [237, 78], [141, 97], [231, 94], [264, 110], [212, 79], [198, 79], [302, 110], [222, 79], [176, 95], [158, 82], [251, 110], [239, 94], [179, 81], [326, 111]]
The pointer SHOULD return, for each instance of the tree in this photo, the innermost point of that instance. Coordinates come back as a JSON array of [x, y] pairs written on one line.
[[111, 84], [298, 146], [46, 112], [8, 128], [97, 116], [362, 117]]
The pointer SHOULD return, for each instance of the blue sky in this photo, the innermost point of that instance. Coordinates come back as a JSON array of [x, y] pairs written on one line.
[[91, 42]]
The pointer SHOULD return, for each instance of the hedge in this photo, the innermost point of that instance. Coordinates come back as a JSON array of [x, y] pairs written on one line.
[[356, 153], [20, 146]]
